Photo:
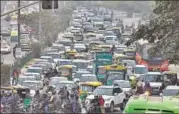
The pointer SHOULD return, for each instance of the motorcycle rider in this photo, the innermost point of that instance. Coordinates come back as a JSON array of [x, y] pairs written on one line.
[[96, 104], [148, 88], [3, 98], [101, 102], [37, 95], [73, 103], [139, 88], [133, 82], [45, 103]]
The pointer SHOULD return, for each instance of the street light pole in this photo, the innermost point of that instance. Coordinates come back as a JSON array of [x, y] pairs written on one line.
[[39, 34], [19, 13]]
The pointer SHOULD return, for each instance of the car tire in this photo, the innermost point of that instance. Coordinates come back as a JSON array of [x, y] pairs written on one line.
[[111, 109], [123, 104]]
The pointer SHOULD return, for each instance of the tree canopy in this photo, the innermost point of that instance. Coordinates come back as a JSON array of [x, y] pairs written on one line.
[[163, 30]]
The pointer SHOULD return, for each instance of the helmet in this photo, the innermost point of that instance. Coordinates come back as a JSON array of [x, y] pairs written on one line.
[[132, 78], [139, 84], [54, 92], [147, 83], [14, 91], [96, 96], [71, 95], [37, 91]]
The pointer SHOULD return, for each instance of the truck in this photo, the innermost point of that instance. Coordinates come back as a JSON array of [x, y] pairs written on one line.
[[102, 58], [156, 63]]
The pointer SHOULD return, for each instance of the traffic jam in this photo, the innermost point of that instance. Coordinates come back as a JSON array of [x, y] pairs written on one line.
[[89, 69]]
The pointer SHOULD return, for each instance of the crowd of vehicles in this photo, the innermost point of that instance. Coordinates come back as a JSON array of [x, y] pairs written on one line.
[[91, 54]]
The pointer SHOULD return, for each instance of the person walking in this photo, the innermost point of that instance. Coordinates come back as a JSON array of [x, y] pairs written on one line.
[[15, 77], [101, 102]]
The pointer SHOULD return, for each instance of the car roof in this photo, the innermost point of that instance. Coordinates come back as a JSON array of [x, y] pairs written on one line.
[[89, 75], [34, 68], [70, 82], [82, 71], [140, 66], [31, 73], [157, 73], [172, 87], [121, 81], [80, 60], [24, 76], [34, 81], [58, 78], [106, 86], [45, 57]]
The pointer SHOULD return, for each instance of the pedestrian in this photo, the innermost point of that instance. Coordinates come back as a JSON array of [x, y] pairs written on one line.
[[15, 77], [101, 102]]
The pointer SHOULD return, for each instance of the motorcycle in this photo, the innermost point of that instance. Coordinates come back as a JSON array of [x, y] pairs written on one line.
[[91, 107]]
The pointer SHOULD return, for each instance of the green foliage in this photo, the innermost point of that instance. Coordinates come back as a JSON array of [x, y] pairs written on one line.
[[163, 30]]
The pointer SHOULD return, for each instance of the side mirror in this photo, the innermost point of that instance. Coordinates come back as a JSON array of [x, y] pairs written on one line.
[[115, 94]]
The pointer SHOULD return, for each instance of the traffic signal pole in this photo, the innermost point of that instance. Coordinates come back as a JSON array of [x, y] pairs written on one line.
[[19, 14]]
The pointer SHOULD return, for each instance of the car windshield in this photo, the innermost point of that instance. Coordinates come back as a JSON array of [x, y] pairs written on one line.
[[65, 43], [31, 85], [109, 38], [115, 76], [21, 80], [88, 78], [54, 81], [64, 70], [55, 56], [34, 70], [61, 85], [81, 65], [129, 63], [103, 91], [153, 78], [87, 88], [125, 84], [140, 70], [171, 92], [130, 53]]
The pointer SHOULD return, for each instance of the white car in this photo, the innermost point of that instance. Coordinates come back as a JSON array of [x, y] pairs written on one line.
[[171, 90], [33, 86], [111, 39], [124, 84], [5, 48], [56, 80], [140, 70], [112, 95], [155, 79]]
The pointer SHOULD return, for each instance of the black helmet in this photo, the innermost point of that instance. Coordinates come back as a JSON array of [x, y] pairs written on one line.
[[37, 91], [71, 95]]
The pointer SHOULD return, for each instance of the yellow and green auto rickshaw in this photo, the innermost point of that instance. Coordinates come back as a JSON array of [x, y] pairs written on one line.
[[81, 56], [67, 71], [87, 88], [70, 54], [20, 89], [118, 58]]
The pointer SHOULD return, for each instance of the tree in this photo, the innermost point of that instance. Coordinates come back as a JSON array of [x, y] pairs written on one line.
[[163, 30]]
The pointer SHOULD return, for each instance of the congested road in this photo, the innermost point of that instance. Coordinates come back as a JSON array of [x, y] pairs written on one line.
[[89, 69]]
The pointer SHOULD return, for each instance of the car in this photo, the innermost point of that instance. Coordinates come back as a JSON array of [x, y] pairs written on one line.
[[35, 70], [113, 96], [37, 75], [5, 48], [130, 64], [171, 90], [140, 70], [124, 84], [50, 59], [56, 80], [23, 78], [88, 77], [155, 79], [78, 74], [33, 86], [111, 39], [68, 84], [80, 48]]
